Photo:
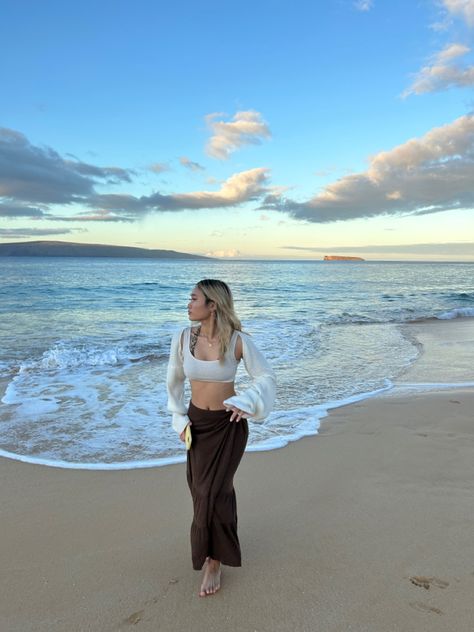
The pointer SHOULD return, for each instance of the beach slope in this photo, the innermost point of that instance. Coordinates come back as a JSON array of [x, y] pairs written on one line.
[[367, 526]]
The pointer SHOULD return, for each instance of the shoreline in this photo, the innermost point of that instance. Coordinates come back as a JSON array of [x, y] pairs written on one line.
[[366, 526], [322, 415], [428, 335]]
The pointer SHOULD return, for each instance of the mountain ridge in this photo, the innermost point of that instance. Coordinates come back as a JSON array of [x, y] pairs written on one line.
[[45, 248]]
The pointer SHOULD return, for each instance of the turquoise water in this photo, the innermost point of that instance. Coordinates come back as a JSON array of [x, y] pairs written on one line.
[[84, 345]]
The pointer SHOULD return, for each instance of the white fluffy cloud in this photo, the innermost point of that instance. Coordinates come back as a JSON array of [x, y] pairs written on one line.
[[461, 8], [424, 175], [246, 128], [241, 187], [442, 72]]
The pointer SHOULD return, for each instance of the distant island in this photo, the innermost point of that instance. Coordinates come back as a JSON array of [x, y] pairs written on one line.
[[71, 249], [339, 258]]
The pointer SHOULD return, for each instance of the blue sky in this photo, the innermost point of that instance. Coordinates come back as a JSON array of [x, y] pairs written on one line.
[[259, 129]]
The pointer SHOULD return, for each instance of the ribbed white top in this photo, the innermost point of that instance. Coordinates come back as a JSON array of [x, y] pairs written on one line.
[[209, 370]]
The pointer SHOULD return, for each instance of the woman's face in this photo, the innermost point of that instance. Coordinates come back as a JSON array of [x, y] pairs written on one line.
[[197, 307]]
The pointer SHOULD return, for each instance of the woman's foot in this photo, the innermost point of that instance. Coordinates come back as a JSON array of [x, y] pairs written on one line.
[[211, 581]]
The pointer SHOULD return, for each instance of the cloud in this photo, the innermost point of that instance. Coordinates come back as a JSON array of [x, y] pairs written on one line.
[[39, 175], [424, 175], [450, 52], [31, 175], [461, 8], [442, 73], [111, 175], [19, 233], [34, 174], [246, 128], [18, 210], [364, 5], [189, 164], [241, 187], [159, 167], [447, 248], [228, 254], [96, 216]]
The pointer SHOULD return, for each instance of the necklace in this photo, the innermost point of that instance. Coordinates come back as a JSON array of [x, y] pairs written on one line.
[[208, 341], [204, 336]]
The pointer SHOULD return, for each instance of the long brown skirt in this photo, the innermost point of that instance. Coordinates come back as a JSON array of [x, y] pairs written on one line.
[[217, 448]]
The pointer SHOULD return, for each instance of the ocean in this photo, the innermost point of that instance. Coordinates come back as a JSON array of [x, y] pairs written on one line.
[[84, 346]]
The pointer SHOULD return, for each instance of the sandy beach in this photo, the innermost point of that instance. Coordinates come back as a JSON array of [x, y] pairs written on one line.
[[365, 527]]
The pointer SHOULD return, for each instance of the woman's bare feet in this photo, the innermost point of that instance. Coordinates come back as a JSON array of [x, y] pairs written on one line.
[[211, 581]]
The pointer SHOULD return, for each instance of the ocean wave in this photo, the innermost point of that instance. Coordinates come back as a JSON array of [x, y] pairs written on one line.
[[458, 312], [390, 317], [462, 296], [65, 356], [402, 316]]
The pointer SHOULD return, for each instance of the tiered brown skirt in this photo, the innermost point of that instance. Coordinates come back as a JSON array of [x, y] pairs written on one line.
[[217, 448]]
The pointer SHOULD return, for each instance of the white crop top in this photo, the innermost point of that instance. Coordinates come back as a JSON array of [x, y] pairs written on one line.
[[257, 400], [209, 370]]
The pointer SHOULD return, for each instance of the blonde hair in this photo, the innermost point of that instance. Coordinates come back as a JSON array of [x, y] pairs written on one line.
[[227, 321]]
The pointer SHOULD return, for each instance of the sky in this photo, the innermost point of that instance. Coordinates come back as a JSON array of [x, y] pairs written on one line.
[[259, 129]]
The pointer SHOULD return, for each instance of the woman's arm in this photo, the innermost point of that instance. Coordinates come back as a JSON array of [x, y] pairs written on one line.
[[259, 398], [175, 385]]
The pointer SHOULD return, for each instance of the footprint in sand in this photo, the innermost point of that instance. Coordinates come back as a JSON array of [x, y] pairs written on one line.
[[134, 618], [427, 582], [423, 607]]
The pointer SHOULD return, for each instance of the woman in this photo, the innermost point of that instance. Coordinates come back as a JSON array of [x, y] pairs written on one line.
[[208, 355]]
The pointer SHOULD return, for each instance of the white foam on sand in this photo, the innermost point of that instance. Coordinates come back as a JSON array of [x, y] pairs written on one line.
[[445, 363], [303, 421]]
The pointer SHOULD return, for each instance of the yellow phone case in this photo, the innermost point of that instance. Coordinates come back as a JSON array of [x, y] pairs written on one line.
[[188, 437]]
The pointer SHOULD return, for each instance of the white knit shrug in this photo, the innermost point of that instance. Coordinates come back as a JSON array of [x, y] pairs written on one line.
[[257, 399]]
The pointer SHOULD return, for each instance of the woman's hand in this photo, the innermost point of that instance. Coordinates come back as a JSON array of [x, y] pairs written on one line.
[[182, 434], [237, 414]]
